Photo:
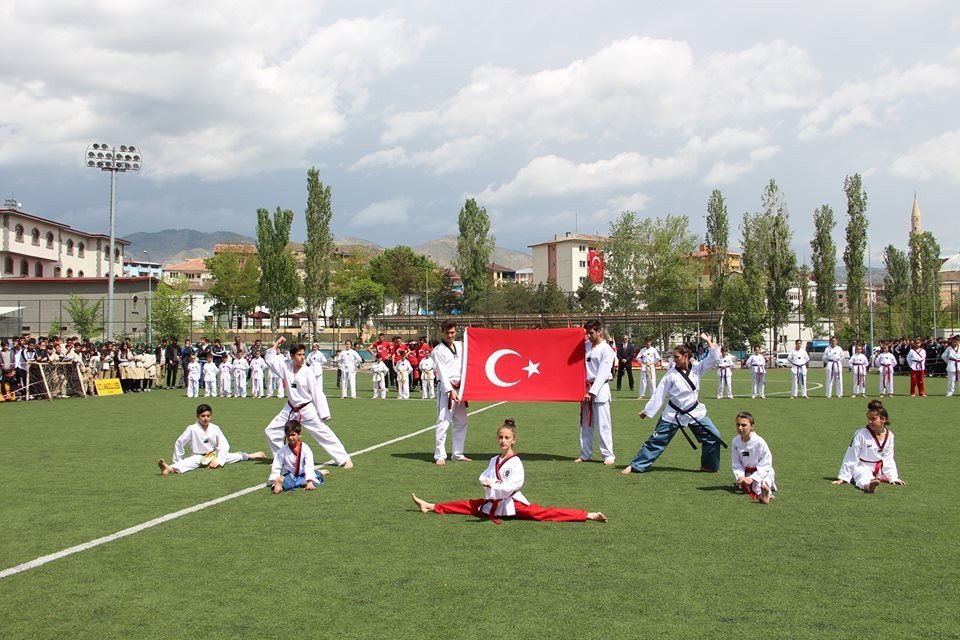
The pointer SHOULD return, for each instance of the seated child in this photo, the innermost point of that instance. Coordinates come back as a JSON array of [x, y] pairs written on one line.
[[293, 463], [208, 445], [869, 458], [752, 461], [502, 481]]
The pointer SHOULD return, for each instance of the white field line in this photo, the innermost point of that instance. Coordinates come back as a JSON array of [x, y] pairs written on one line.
[[42, 560]]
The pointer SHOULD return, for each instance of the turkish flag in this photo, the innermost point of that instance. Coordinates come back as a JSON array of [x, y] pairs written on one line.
[[595, 262], [523, 364]]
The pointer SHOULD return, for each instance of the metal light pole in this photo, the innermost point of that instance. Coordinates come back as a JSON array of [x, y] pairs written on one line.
[[870, 293], [149, 298], [426, 309], [107, 158]]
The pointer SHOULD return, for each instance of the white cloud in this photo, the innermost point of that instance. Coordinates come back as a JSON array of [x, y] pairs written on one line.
[[211, 89], [454, 155], [727, 172], [386, 212], [633, 202], [875, 102], [936, 158]]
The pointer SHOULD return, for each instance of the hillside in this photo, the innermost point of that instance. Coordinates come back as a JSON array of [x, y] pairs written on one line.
[[175, 245], [443, 249]]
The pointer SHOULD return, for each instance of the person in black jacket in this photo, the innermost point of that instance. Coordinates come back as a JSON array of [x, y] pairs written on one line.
[[625, 361], [171, 357]]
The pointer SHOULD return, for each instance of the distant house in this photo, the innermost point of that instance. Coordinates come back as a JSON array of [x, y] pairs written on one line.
[[499, 274], [194, 271], [705, 256]]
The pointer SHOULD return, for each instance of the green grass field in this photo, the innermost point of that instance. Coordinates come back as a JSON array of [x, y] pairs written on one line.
[[682, 556]]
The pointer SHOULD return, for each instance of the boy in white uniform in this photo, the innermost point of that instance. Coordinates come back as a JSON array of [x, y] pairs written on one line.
[[208, 446], [833, 364], [426, 378], [257, 365], [595, 406], [240, 369], [752, 462], [193, 377], [305, 403], [951, 355], [869, 458], [209, 378], [349, 361], [316, 360], [379, 371], [917, 360], [886, 362], [858, 367], [293, 464], [450, 409], [403, 369], [798, 359], [758, 368], [724, 374], [226, 377], [649, 359]]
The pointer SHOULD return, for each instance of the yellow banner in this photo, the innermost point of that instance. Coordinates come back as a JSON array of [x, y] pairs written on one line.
[[109, 387]]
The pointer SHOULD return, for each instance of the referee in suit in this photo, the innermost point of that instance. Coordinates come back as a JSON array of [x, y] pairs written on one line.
[[625, 361]]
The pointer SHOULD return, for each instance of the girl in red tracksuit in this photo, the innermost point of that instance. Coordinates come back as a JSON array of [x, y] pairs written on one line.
[[501, 482]]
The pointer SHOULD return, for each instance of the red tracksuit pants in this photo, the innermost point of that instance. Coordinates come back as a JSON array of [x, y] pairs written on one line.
[[524, 511], [916, 382]]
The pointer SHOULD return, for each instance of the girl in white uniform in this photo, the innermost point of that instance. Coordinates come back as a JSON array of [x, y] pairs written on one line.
[[858, 367], [226, 377], [316, 360], [869, 458], [305, 403], [833, 365], [210, 378], [240, 369], [426, 378], [725, 374], [208, 446], [752, 462], [758, 369], [193, 377], [379, 371], [257, 366], [951, 355], [501, 481], [798, 359], [886, 363], [293, 464], [403, 369]]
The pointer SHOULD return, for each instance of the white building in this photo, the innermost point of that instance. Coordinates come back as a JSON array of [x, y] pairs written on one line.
[[34, 247], [563, 260]]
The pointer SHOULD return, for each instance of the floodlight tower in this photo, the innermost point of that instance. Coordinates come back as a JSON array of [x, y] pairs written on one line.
[[115, 160]]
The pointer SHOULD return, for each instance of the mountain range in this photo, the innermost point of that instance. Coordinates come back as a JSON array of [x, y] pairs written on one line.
[[176, 245]]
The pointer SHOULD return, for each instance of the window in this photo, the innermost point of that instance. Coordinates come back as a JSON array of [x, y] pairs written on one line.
[[49, 240], [8, 265], [69, 247], [35, 237], [583, 264], [79, 274], [116, 255], [136, 300], [18, 230], [57, 272], [80, 249], [106, 253], [69, 273], [38, 270], [24, 268], [582, 248]]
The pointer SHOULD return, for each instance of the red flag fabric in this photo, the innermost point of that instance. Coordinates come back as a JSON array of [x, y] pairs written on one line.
[[595, 262], [534, 365]]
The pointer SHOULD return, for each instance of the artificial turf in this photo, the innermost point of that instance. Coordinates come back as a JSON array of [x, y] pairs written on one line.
[[682, 556]]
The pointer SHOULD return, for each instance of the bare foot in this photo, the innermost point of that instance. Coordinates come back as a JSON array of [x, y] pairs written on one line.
[[323, 472], [423, 505], [347, 465], [872, 487], [627, 471], [765, 493], [165, 469], [440, 462], [259, 455], [596, 516], [579, 460], [463, 459], [609, 461]]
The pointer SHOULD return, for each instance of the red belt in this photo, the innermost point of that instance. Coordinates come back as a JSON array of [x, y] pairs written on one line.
[[877, 466]]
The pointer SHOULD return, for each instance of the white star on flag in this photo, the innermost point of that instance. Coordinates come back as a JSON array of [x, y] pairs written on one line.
[[532, 368]]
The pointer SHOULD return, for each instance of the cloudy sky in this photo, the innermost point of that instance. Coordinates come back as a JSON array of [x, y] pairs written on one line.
[[556, 116]]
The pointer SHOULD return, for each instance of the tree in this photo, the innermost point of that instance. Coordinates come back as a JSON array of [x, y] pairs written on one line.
[[171, 309], [360, 300], [511, 298], [401, 272], [279, 283], [824, 260], [717, 241], [808, 310], [669, 275], [318, 249], [743, 323], [780, 259], [589, 298], [924, 281], [549, 298], [856, 246], [622, 263], [235, 285], [474, 248], [750, 297], [896, 285], [86, 316]]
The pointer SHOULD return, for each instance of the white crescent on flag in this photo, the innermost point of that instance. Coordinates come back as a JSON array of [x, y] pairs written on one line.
[[491, 367], [596, 260]]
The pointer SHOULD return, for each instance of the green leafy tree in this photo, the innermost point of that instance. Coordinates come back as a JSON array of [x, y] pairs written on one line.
[[924, 282], [781, 261], [474, 248], [171, 309], [86, 316], [824, 259], [752, 286], [235, 282], [589, 298], [896, 287], [743, 324], [549, 298], [360, 300], [717, 241], [856, 247], [669, 275], [318, 249], [279, 283], [808, 308], [623, 256], [511, 298], [401, 272]]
